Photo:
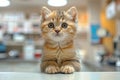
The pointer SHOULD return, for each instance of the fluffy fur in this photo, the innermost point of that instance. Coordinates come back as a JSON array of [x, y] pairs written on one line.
[[58, 52]]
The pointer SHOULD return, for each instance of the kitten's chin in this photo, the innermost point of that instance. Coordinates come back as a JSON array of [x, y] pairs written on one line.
[[58, 38], [57, 35]]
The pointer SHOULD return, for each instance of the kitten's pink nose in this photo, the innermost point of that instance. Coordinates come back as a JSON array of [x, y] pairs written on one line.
[[57, 31]]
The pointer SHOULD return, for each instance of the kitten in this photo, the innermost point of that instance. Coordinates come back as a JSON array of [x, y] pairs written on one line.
[[58, 29]]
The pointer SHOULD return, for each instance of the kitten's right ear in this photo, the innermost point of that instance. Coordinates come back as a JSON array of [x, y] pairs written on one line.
[[72, 12], [45, 12]]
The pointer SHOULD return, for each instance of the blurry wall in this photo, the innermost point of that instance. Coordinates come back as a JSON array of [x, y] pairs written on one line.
[[94, 18]]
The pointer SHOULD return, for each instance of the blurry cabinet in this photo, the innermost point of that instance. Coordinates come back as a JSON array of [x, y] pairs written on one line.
[[17, 30], [108, 44]]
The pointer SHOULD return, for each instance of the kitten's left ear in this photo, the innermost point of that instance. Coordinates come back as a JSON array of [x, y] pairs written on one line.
[[72, 12]]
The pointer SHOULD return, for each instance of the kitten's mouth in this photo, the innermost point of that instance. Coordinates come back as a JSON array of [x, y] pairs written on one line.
[[57, 34]]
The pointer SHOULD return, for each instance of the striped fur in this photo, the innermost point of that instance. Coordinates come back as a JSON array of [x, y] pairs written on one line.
[[59, 52]]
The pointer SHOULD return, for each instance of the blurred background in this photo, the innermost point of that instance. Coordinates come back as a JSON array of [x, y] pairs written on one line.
[[97, 41]]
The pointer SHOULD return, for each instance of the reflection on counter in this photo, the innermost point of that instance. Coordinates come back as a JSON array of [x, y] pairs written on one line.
[[75, 76]]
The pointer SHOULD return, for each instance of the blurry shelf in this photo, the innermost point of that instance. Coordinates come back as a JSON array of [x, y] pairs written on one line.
[[13, 43], [19, 60], [4, 20], [21, 20], [33, 33]]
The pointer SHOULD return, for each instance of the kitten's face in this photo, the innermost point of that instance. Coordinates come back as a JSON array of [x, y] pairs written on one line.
[[58, 25]]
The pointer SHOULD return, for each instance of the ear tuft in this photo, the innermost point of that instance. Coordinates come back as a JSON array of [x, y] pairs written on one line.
[[45, 12], [72, 12]]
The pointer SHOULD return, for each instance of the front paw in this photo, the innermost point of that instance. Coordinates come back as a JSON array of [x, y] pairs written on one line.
[[52, 69], [67, 69]]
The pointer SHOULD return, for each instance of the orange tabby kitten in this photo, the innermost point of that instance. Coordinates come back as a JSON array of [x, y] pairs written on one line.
[[58, 29]]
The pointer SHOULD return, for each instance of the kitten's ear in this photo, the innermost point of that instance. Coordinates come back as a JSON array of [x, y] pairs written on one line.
[[72, 12], [45, 12]]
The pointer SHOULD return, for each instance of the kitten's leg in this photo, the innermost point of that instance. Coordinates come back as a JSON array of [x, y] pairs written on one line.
[[50, 67], [70, 66]]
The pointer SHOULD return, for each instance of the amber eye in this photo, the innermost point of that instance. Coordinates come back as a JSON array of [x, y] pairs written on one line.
[[51, 25], [64, 25]]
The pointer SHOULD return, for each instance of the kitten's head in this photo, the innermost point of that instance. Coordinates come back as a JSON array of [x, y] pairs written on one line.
[[58, 25]]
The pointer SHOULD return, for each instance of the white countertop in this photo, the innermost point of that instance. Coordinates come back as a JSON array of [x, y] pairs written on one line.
[[74, 76]]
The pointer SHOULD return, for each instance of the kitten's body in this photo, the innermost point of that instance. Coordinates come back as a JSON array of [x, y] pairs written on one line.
[[59, 53]]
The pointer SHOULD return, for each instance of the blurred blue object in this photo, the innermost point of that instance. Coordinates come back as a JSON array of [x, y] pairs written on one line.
[[2, 48], [95, 39], [2, 51]]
